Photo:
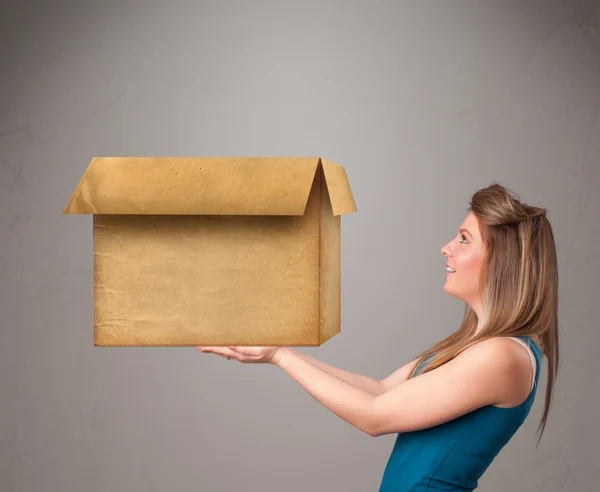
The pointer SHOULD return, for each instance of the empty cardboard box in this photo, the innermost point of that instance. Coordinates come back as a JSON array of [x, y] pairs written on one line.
[[215, 251]]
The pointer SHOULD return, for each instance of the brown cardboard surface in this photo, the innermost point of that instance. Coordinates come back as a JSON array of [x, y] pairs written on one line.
[[205, 186], [227, 276]]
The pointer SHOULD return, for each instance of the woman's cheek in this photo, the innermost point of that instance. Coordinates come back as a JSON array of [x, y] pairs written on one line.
[[472, 263]]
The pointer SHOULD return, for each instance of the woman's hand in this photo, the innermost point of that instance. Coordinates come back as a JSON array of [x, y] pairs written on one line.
[[248, 355]]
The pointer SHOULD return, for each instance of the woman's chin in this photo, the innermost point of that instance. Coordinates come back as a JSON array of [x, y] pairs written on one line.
[[449, 290]]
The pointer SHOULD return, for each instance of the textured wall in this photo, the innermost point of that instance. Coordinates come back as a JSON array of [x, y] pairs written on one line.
[[422, 102]]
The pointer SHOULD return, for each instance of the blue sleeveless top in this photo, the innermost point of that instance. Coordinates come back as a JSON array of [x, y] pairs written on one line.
[[454, 455]]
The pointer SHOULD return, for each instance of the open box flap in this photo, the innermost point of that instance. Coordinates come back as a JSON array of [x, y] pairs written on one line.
[[206, 186]]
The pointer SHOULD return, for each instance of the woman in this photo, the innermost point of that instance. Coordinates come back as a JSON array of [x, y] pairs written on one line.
[[475, 388]]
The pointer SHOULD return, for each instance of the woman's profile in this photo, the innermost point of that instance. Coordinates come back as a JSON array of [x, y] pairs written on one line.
[[456, 405]]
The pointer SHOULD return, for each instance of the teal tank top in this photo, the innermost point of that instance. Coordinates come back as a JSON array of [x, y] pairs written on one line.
[[453, 456]]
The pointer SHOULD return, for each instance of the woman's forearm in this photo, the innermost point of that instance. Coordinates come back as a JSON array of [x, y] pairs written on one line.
[[365, 383]]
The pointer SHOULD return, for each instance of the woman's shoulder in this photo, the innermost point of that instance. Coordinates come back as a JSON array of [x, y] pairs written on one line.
[[504, 356], [503, 341], [511, 366]]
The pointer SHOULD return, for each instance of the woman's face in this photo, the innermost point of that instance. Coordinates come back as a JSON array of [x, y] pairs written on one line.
[[465, 254]]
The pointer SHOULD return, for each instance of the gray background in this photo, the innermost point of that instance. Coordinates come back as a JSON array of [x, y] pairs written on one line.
[[422, 102]]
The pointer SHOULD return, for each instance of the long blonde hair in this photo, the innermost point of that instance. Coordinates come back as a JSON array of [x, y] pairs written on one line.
[[519, 283]]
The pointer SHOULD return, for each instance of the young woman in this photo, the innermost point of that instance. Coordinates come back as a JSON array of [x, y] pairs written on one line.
[[457, 404]]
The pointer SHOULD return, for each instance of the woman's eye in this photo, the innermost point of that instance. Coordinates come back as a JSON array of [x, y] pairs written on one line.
[[464, 238]]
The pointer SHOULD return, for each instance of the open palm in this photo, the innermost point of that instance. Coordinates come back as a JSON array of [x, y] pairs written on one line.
[[247, 355]]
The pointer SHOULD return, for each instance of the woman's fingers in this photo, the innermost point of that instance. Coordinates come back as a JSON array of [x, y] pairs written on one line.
[[241, 354], [250, 351], [227, 352], [223, 352]]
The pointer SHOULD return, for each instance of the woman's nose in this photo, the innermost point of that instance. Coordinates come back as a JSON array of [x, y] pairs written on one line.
[[445, 250]]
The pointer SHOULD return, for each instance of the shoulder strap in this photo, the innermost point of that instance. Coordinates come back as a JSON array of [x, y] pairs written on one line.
[[531, 355]]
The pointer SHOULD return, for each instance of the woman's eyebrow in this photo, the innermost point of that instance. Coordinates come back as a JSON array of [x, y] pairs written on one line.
[[461, 230]]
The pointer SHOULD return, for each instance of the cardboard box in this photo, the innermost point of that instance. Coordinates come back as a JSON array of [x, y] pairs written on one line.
[[215, 251]]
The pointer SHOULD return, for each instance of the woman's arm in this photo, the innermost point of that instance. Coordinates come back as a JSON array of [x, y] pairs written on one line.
[[487, 373], [372, 386]]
